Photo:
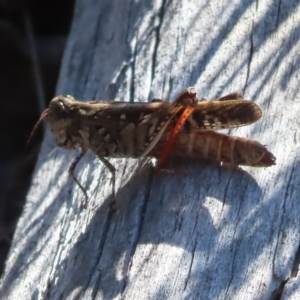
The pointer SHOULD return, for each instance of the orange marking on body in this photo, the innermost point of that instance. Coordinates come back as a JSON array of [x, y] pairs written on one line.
[[184, 116]]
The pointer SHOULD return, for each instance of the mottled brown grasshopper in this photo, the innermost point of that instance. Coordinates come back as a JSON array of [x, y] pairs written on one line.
[[183, 128]]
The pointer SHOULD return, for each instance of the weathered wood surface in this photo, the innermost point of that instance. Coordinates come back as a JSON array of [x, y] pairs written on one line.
[[202, 232]]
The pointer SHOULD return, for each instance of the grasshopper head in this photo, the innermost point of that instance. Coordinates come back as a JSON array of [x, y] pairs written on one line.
[[63, 122]]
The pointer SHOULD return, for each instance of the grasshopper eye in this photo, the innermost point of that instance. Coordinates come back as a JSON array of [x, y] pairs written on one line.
[[69, 97], [60, 103]]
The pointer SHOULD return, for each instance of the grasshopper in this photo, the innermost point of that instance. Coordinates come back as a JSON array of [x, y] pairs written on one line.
[[182, 128]]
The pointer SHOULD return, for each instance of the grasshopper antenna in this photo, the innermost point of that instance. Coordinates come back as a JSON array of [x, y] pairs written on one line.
[[36, 126]]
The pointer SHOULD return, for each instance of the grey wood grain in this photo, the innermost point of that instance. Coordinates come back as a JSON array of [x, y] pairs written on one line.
[[202, 231]]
